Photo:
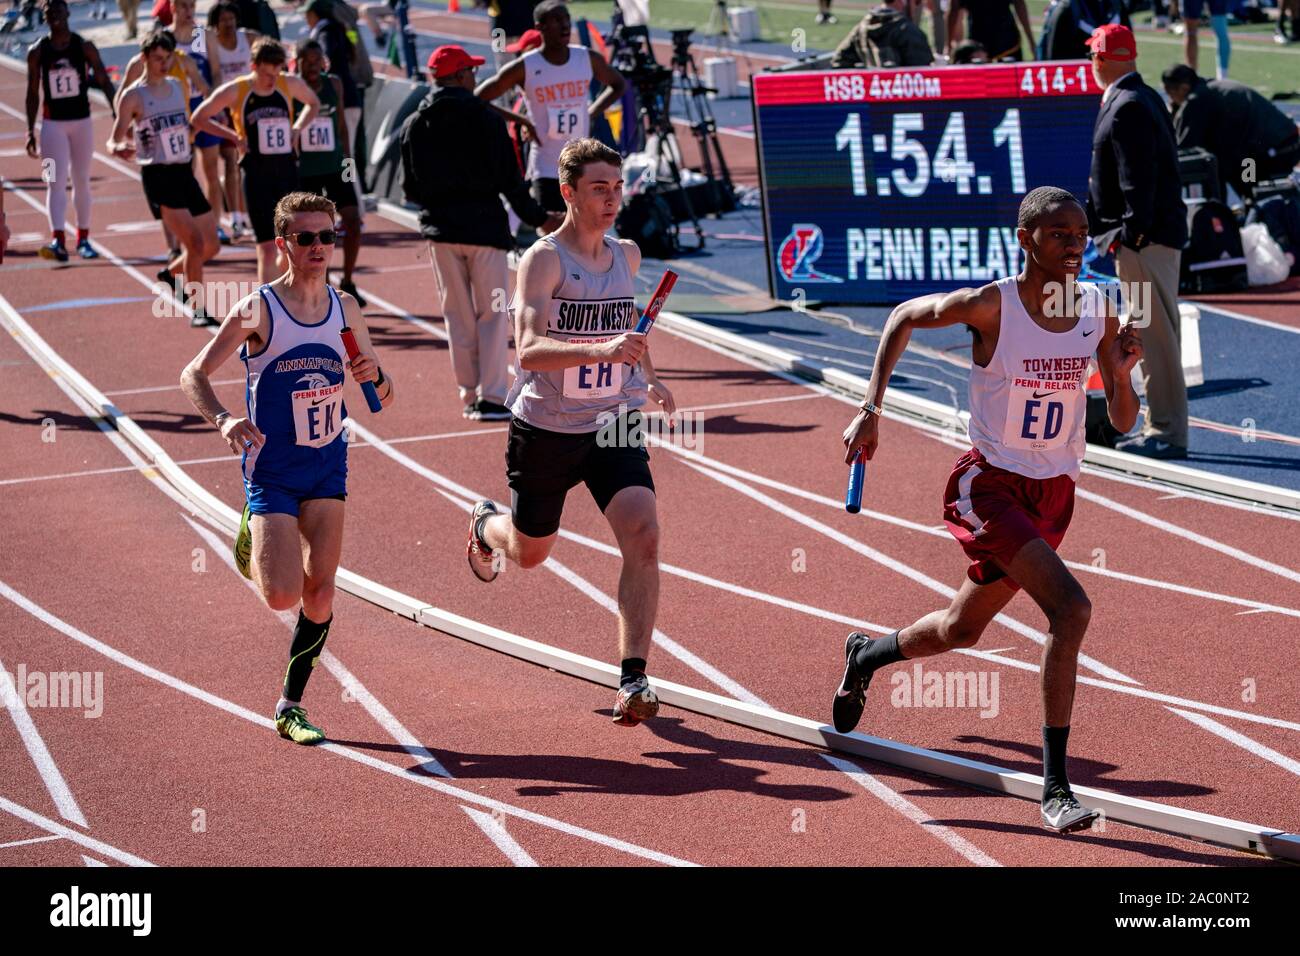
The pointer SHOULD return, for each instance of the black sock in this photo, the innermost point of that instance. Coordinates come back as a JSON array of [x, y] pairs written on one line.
[[633, 668], [877, 653], [308, 640], [1054, 740]]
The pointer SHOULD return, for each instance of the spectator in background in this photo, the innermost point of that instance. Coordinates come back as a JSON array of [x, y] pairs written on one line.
[[1192, 11], [258, 16], [1236, 124], [993, 24], [513, 18], [824, 14], [162, 12], [1069, 23], [884, 37], [968, 51], [1288, 22], [381, 19], [457, 163], [130, 11], [1136, 212]]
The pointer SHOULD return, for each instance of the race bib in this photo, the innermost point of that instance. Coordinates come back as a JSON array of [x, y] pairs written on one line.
[[317, 415], [174, 144], [1037, 417], [65, 82], [273, 136], [598, 380], [563, 122], [318, 137]]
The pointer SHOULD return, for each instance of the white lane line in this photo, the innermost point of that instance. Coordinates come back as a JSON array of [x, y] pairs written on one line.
[[167, 388], [1241, 740], [1190, 535], [1038, 637], [939, 531], [495, 831], [44, 839], [745, 404], [58, 829], [91, 861], [429, 782], [40, 754], [955, 841], [1275, 326], [356, 690], [997, 658]]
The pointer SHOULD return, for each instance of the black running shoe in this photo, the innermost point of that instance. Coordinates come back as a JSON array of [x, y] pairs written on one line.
[[492, 412], [351, 289], [1062, 813], [851, 698]]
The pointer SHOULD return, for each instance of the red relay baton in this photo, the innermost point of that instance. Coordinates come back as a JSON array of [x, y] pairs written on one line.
[[657, 300], [367, 388]]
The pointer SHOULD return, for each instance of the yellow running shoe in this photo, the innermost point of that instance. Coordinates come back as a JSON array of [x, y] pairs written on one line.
[[244, 545], [293, 725]]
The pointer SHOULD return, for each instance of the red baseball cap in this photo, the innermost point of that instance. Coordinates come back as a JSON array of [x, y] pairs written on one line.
[[530, 39], [1113, 41], [450, 59]]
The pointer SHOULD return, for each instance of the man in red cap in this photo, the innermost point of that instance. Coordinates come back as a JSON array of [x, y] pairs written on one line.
[[1136, 212], [458, 162]]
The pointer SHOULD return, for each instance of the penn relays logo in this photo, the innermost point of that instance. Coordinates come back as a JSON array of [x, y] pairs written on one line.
[[797, 253]]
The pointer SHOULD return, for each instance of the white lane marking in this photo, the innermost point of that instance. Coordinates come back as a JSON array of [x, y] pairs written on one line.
[[997, 658], [58, 829], [1241, 740], [745, 404], [429, 782], [435, 331], [91, 861], [1194, 536], [1275, 326], [1038, 637], [953, 840], [167, 388], [355, 689], [36, 749], [44, 839], [495, 831]]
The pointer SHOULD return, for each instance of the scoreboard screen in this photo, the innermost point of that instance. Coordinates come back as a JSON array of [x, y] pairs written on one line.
[[880, 185]]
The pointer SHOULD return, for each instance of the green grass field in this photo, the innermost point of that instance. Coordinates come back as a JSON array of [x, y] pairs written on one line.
[[1256, 59]]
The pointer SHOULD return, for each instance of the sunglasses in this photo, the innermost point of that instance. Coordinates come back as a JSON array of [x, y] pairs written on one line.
[[305, 239]]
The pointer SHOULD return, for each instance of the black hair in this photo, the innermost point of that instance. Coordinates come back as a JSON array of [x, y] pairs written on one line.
[[1178, 74], [1038, 202], [214, 14], [155, 38], [546, 9]]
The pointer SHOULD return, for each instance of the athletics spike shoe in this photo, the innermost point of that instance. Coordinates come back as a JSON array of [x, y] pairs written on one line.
[[851, 698], [244, 545], [86, 250], [481, 560], [635, 702], [223, 237], [55, 250], [1064, 814], [293, 725]]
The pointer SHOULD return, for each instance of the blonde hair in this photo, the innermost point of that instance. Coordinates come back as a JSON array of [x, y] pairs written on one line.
[[578, 154], [297, 202]]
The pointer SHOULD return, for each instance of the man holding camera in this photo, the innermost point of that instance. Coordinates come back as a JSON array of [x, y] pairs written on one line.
[[556, 80]]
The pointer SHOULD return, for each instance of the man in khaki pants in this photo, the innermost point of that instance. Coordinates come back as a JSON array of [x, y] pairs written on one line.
[[1136, 211], [457, 163]]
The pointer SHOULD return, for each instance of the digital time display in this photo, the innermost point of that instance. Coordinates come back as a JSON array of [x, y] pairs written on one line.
[[880, 185]]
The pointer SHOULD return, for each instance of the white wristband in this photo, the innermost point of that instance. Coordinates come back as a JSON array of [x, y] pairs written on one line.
[[869, 407]]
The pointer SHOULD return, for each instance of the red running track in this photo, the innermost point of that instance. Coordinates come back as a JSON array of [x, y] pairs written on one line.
[[191, 659]]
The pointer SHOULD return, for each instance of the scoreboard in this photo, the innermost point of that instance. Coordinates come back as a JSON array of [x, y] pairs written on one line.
[[880, 185]]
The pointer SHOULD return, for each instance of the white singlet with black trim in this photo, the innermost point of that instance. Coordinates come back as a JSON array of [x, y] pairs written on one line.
[[225, 64], [162, 131], [588, 307], [558, 97], [1027, 407]]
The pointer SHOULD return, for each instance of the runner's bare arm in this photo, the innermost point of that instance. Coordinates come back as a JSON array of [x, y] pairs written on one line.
[[300, 91], [540, 275], [980, 309], [614, 85], [501, 82], [1117, 353], [365, 368], [204, 117], [134, 70], [197, 82], [33, 97], [120, 142], [246, 323], [101, 74]]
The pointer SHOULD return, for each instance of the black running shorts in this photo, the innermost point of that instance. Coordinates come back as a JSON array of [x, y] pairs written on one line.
[[333, 187], [173, 185], [541, 467], [265, 185]]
